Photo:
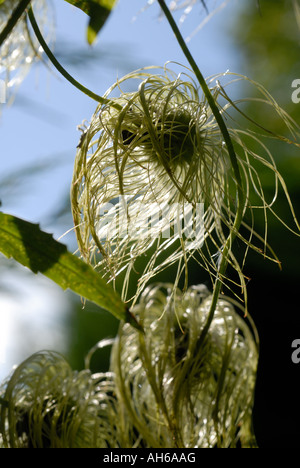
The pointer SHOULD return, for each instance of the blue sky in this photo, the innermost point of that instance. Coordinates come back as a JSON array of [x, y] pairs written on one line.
[[42, 122], [41, 126]]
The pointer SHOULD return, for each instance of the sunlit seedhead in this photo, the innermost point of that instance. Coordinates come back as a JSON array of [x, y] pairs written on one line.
[[153, 177], [44, 404], [149, 171], [176, 391]]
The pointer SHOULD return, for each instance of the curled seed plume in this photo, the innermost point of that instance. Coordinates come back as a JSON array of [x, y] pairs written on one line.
[[153, 184], [176, 392], [44, 404]]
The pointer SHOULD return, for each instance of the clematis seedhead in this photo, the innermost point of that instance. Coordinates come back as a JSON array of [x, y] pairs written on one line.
[[176, 389], [153, 182], [44, 404]]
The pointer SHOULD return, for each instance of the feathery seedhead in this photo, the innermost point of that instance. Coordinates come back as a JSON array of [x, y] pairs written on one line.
[[148, 171], [177, 390], [44, 404], [153, 183]]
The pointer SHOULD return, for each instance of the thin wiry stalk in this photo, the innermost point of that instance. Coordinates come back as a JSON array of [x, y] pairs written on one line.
[[233, 159], [58, 66], [210, 98]]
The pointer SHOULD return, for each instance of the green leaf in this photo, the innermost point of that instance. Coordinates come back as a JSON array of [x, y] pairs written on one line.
[[37, 250], [98, 11]]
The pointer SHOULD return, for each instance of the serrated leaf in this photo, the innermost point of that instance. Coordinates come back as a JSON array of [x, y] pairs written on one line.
[[98, 11], [38, 251]]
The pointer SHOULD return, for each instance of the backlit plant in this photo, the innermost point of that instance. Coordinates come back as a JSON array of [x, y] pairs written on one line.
[[21, 48], [166, 174], [153, 173]]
